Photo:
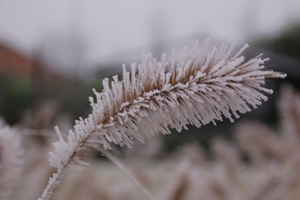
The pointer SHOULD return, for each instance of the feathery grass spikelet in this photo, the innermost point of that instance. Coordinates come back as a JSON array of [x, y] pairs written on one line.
[[199, 88], [202, 86]]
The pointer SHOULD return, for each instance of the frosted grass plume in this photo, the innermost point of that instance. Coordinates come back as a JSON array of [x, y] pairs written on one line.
[[202, 86], [11, 162]]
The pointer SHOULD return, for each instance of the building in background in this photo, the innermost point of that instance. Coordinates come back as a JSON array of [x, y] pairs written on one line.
[[14, 63]]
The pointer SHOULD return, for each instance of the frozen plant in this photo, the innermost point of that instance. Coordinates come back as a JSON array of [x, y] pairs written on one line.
[[10, 160], [202, 86]]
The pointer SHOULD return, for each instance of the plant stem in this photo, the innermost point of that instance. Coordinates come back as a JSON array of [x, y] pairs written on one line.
[[52, 183], [119, 164]]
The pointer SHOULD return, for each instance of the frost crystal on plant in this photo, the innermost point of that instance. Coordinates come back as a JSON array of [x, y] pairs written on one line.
[[201, 86]]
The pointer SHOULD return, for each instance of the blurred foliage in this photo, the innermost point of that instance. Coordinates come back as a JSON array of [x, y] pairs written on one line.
[[20, 94], [286, 43], [15, 97], [74, 98], [286, 46]]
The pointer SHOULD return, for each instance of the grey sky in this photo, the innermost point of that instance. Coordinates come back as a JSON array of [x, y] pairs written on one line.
[[109, 26]]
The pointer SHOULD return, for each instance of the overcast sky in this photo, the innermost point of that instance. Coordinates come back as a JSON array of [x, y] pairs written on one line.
[[110, 26]]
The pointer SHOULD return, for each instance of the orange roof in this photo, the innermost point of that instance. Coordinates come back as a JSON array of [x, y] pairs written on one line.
[[13, 63]]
